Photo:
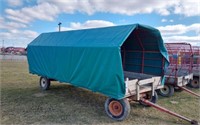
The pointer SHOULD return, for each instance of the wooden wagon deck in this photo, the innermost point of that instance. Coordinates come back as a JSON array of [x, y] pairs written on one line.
[[137, 83], [180, 79]]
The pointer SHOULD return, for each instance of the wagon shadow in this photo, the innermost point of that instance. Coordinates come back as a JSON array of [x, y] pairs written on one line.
[[69, 96], [61, 104], [76, 93], [92, 102], [96, 102]]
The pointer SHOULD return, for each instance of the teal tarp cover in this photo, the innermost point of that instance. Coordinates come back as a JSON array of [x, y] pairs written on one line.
[[92, 58]]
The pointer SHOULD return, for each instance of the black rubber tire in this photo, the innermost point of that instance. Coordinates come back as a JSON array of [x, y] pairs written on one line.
[[150, 98], [167, 91], [125, 108], [44, 83], [194, 83]]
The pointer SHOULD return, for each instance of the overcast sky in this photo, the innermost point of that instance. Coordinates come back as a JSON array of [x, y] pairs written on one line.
[[23, 20]]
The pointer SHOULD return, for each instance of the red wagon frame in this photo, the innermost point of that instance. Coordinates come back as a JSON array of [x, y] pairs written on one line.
[[179, 72], [196, 67]]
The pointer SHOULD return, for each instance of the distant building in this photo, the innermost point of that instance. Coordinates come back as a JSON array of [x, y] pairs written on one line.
[[1, 50], [9, 50], [19, 50], [15, 50]]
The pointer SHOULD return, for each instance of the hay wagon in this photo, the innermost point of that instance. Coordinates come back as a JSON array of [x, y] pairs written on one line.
[[121, 62], [179, 72], [196, 67], [124, 63]]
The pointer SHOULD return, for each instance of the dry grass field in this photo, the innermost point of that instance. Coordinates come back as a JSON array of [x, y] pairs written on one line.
[[22, 102]]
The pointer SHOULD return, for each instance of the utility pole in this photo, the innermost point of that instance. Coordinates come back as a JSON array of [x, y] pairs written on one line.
[[59, 26]]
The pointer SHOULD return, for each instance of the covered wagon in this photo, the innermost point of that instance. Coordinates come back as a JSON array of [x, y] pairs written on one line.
[[122, 62]]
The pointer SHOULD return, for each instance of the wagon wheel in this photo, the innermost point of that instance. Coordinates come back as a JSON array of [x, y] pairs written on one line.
[[194, 83], [44, 83], [167, 91], [150, 98], [117, 109]]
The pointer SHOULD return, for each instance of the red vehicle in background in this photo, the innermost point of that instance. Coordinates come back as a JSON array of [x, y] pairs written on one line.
[[196, 67], [179, 72]]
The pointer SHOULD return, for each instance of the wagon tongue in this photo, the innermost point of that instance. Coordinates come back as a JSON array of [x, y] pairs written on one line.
[[193, 122], [189, 91]]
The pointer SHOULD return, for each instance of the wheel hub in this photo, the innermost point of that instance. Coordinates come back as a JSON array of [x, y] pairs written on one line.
[[195, 82], [43, 82], [115, 108], [165, 90]]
